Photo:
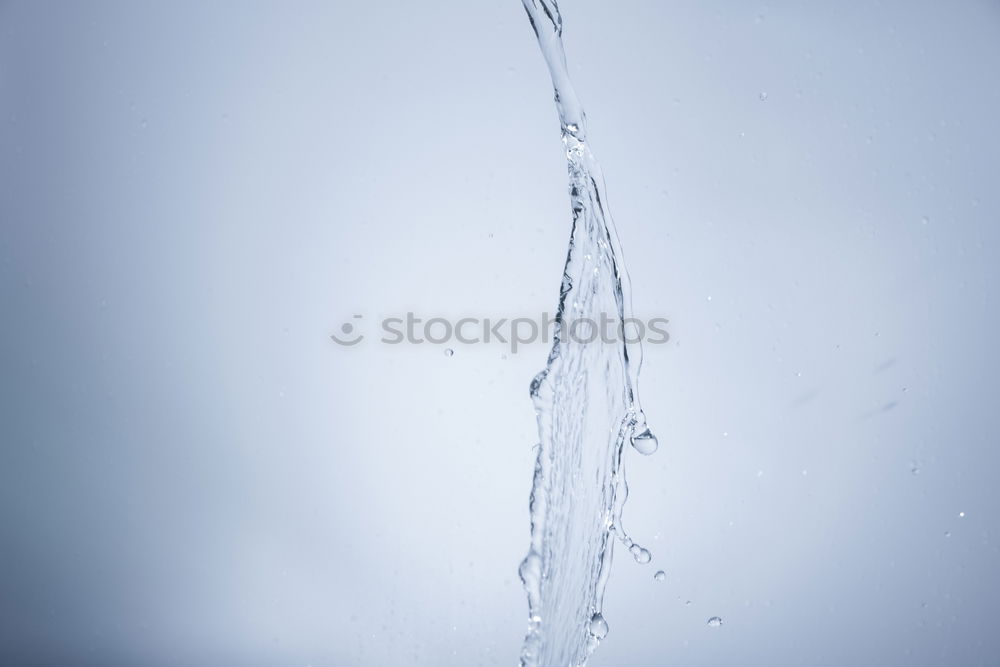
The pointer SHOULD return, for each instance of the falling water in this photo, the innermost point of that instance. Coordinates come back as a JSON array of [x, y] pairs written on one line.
[[586, 403]]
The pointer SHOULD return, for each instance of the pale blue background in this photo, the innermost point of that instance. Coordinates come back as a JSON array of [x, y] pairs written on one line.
[[192, 198]]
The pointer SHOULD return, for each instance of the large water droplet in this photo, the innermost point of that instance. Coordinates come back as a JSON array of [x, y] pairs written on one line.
[[714, 622], [642, 556], [660, 575], [598, 626], [645, 443]]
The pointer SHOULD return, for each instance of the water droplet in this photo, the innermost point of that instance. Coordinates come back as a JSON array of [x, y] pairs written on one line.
[[598, 626], [714, 622], [449, 352], [961, 514], [645, 443], [762, 96], [660, 575], [642, 556]]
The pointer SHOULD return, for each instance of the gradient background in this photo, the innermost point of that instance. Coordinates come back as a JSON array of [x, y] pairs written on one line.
[[193, 196]]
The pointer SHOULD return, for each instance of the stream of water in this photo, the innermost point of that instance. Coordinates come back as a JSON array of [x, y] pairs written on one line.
[[587, 406]]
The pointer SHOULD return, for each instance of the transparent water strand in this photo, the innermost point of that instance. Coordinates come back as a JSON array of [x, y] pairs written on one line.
[[586, 404]]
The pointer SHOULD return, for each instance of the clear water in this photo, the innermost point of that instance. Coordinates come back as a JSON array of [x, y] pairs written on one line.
[[587, 407]]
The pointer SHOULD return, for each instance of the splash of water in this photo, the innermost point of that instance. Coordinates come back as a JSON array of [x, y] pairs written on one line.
[[586, 403]]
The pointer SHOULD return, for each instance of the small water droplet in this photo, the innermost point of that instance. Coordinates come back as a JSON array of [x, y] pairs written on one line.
[[449, 352], [660, 575], [762, 96], [598, 626], [641, 555], [645, 443], [714, 622]]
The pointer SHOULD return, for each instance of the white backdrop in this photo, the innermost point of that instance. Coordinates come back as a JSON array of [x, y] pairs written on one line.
[[192, 199]]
